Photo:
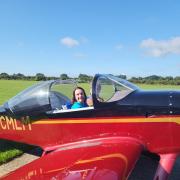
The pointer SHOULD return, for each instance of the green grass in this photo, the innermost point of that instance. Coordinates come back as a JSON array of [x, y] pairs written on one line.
[[9, 88], [9, 150], [158, 87]]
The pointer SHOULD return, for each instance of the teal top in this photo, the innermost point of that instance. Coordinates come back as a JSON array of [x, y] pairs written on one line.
[[78, 105]]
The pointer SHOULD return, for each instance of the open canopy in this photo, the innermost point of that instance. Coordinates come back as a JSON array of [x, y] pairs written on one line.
[[42, 97], [108, 88], [53, 95]]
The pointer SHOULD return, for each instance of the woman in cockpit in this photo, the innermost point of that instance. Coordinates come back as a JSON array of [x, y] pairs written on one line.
[[79, 98]]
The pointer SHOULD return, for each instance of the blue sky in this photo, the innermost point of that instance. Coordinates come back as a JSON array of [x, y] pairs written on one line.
[[136, 38]]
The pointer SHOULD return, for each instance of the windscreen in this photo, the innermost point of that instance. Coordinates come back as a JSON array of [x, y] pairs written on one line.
[[110, 88], [43, 97], [31, 98]]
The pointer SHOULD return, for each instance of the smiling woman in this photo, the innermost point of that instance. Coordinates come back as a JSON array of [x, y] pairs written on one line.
[[79, 98]]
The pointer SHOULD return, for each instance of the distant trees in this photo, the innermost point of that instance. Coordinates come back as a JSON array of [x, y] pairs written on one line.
[[122, 76], [18, 76], [84, 78], [177, 80], [154, 79], [4, 76], [40, 77], [64, 76]]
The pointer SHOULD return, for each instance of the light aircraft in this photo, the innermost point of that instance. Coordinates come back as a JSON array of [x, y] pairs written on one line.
[[103, 141]]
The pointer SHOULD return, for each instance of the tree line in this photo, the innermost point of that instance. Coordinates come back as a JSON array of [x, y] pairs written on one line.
[[84, 78], [154, 79], [41, 77]]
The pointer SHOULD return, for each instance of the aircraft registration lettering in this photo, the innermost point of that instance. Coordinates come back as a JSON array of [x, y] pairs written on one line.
[[9, 123], [2, 122]]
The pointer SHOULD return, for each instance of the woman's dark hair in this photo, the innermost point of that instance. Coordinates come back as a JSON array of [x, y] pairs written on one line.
[[74, 98]]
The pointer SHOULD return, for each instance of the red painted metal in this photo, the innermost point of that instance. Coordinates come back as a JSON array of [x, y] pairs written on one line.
[[117, 138], [49, 132], [105, 158]]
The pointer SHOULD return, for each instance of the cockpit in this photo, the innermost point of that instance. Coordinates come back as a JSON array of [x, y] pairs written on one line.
[[55, 96]]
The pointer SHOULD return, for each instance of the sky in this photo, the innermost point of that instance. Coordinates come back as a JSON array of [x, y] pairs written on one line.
[[135, 38]]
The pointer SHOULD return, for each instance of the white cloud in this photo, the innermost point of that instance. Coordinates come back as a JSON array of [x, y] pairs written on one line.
[[161, 48], [69, 42]]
